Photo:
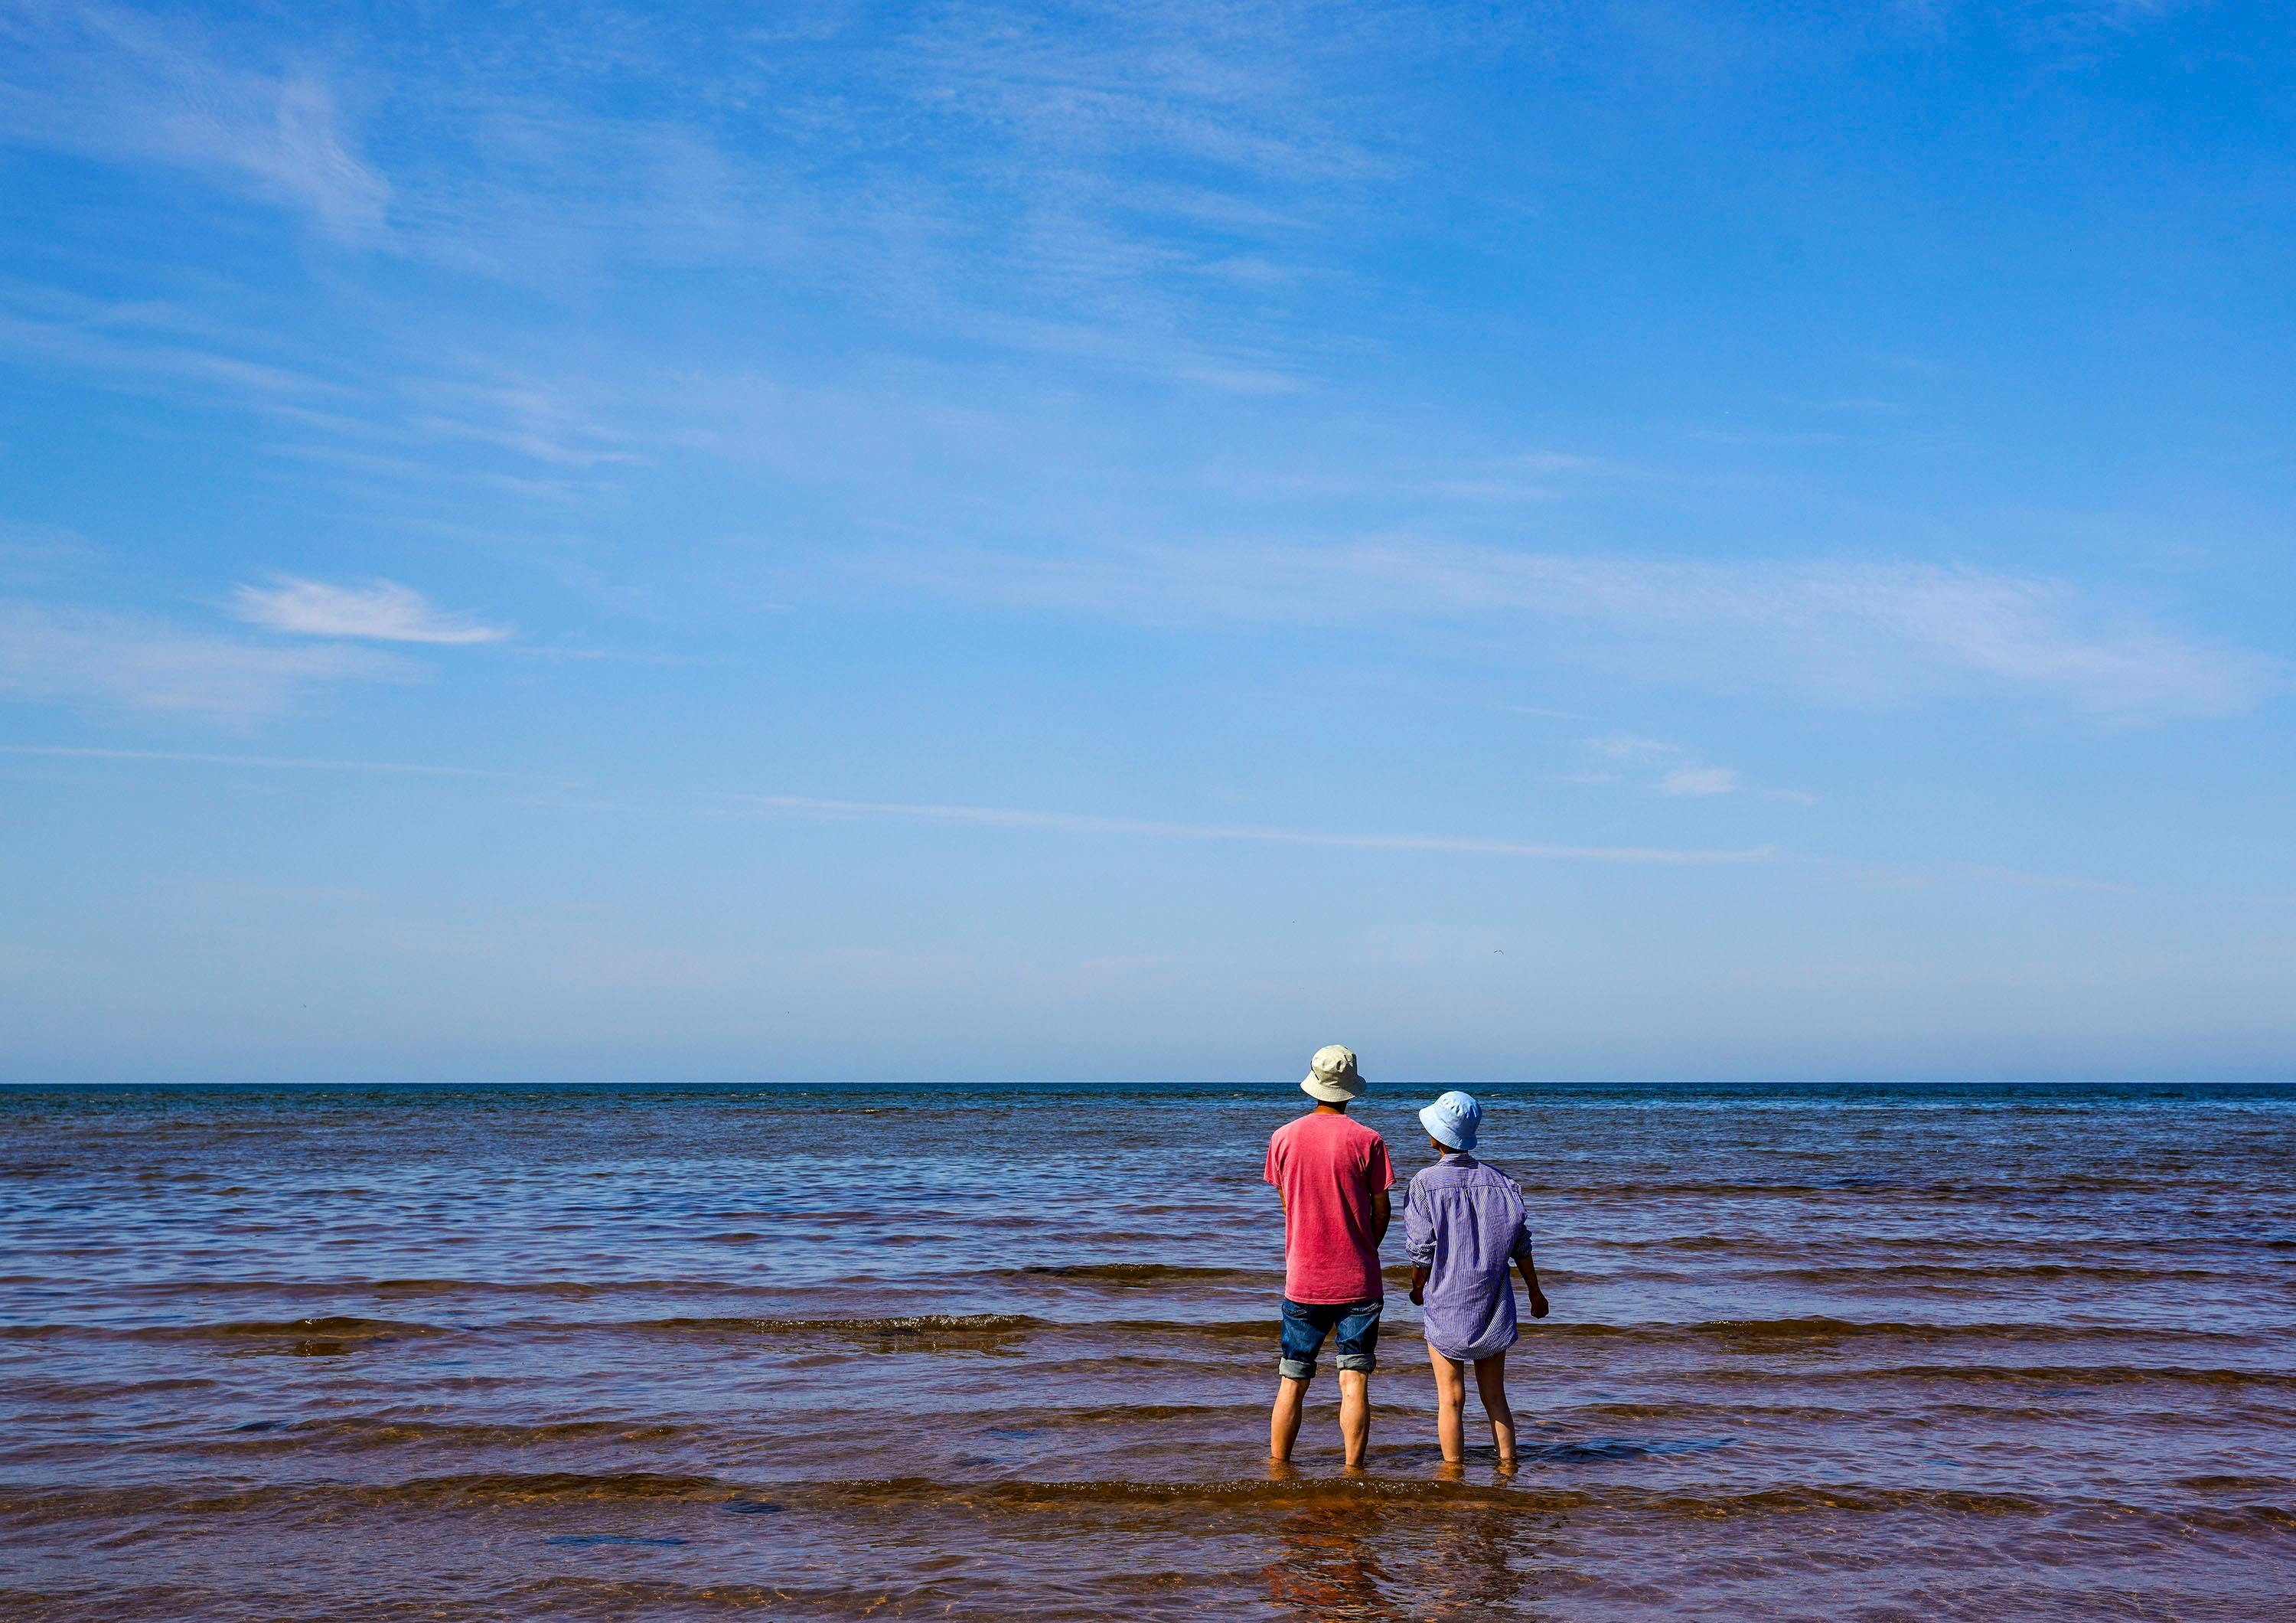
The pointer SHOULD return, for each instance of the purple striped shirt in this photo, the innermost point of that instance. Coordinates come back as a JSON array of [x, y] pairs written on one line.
[[1464, 1221]]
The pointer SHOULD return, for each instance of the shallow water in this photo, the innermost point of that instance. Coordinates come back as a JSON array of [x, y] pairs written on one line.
[[986, 1352]]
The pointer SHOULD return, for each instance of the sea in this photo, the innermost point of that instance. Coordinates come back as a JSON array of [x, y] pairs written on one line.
[[989, 1352]]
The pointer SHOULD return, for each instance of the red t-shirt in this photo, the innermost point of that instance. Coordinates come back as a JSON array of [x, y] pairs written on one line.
[[1329, 1168]]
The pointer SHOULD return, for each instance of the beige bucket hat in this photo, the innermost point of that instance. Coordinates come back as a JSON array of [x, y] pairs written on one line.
[[1333, 1076]]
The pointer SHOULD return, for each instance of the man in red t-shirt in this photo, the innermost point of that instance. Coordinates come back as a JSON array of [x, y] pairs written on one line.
[[1334, 1175]]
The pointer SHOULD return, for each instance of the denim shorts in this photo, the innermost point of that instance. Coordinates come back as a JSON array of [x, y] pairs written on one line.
[[1307, 1323]]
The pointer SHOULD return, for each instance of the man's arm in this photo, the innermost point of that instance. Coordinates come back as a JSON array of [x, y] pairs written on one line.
[[1380, 1178], [1418, 1244]]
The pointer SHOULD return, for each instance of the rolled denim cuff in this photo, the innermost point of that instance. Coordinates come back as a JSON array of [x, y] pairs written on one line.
[[1365, 1362], [1294, 1369]]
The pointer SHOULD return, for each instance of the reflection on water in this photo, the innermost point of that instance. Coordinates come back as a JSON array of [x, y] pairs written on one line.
[[914, 1353], [1329, 1565], [1346, 1556], [1481, 1566]]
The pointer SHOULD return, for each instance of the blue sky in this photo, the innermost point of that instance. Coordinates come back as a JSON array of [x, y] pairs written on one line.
[[821, 540]]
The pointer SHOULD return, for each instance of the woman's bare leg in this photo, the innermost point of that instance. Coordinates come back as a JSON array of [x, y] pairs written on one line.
[[1450, 1400], [1490, 1383]]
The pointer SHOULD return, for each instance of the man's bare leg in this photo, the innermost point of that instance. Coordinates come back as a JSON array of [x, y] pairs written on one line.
[[1490, 1385], [1283, 1425], [1354, 1414], [1450, 1403]]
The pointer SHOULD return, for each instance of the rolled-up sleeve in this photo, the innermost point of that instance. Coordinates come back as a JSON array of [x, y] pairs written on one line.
[[1419, 1227], [1522, 1250]]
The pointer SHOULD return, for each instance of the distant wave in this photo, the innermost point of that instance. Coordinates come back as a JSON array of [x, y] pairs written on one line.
[[327, 1327], [357, 1433], [1785, 1334], [38, 1506], [1145, 1274], [2068, 1375], [930, 1325]]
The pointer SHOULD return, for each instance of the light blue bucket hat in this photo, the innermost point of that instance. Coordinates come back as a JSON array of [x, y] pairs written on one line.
[[1453, 1119]]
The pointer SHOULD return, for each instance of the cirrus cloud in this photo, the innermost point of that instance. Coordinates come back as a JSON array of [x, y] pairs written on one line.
[[1700, 780], [1847, 631], [383, 612], [112, 83], [73, 654]]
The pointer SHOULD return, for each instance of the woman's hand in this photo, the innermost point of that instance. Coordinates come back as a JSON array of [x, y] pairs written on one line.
[[1537, 1304]]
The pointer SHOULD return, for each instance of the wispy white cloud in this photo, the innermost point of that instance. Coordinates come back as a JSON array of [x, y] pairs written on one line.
[[1227, 84], [102, 81], [1520, 478], [1063, 823], [1700, 780], [68, 655], [1845, 632], [462, 420], [1128, 188], [147, 347], [410, 769], [1665, 769], [1627, 746], [1064, 187], [37, 552], [383, 612], [526, 417]]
